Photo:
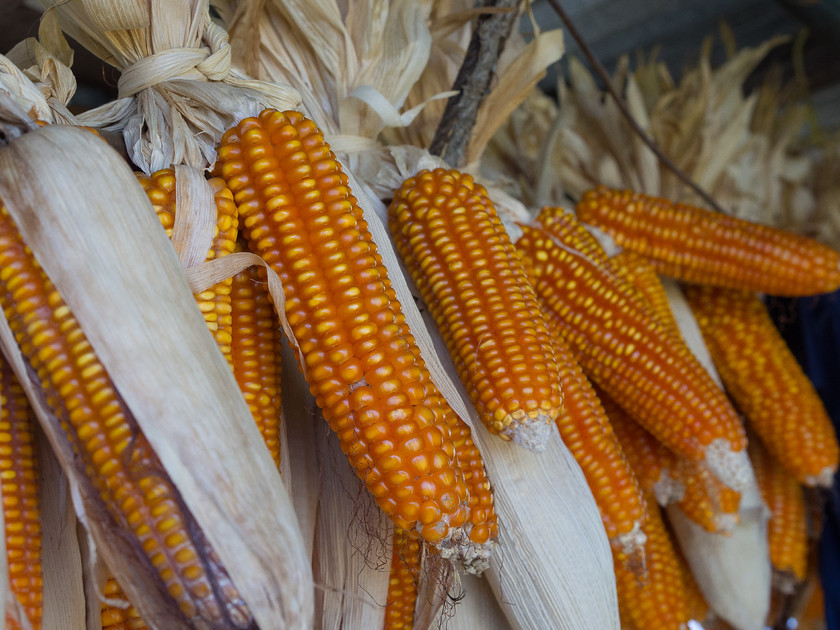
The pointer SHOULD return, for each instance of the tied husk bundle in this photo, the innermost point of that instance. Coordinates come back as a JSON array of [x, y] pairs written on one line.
[[108, 256]]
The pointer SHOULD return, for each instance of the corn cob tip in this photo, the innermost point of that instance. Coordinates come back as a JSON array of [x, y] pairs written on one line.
[[732, 468], [784, 582], [633, 542], [530, 432], [466, 555], [668, 490], [823, 480], [725, 523]]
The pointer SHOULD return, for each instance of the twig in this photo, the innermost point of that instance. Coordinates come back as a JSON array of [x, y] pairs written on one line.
[[602, 73], [473, 80]]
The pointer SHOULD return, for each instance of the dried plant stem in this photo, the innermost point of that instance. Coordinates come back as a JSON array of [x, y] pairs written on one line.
[[473, 80], [602, 73]]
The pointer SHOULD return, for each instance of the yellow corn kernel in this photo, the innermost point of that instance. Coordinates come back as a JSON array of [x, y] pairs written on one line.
[[119, 618], [473, 282]]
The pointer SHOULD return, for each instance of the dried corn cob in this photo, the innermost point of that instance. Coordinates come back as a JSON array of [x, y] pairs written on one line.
[[256, 353], [136, 491], [659, 601], [215, 301], [300, 216], [766, 382], [628, 354], [587, 433], [116, 617], [21, 503], [472, 280], [787, 531], [402, 585], [671, 478], [700, 246]]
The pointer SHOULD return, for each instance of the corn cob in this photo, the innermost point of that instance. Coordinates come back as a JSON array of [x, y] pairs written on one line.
[[587, 433], [628, 354], [671, 478], [21, 502], [463, 263], [299, 215], [256, 353], [119, 618], [787, 531], [659, 601], [766, 382], [136, 492], [215, 301], [402, 584], [700, 246]]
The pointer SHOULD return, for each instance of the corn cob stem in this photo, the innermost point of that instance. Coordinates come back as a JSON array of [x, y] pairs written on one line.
[[700, 246], [402, 585], [136, 492], [763, 377], [299, 215], [628, 354], [21, 502], [472, 280]]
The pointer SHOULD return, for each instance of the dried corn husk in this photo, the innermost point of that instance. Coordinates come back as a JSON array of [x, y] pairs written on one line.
[[111, 262], [177, 91], [352, 559], [476, 606], [732, 571]]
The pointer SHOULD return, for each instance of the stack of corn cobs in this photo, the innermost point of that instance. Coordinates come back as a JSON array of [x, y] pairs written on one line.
[[554, 327]]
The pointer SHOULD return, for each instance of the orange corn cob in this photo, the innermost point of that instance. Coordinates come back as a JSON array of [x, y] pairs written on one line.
[[145, 508], [299, 215], [674, 479], [659, 601], [639, 271], [630, 356], [766, 382], [21, 502], [463, 263], [214, 302], [402, 585], [700, 246], [787, 531], [118, 618], [256, 353], [587, 433]]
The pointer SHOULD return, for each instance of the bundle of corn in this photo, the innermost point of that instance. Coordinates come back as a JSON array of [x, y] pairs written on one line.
[[354, 77]]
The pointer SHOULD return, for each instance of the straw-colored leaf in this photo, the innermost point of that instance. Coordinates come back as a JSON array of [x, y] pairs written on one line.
[[477, 606]]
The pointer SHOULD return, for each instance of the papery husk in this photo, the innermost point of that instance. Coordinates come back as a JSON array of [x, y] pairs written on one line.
[[112, 262], [177, 91], [435, 586], [732, 571], [476, 606], [61, 557], [352, 556]]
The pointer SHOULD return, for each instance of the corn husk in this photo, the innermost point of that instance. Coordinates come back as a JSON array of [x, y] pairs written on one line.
[[352, 556], [177, 90], [111, 261], [476, 606], [732, 571]]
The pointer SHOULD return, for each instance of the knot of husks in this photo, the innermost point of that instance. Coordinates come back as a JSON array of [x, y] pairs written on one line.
[[210, 62]]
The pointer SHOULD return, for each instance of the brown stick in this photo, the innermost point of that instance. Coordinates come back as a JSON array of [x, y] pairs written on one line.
[[602, 73], [473, 80]]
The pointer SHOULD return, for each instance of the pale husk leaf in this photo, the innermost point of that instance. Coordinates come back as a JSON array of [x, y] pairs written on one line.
[[732, 571], [434, 588], [351, 561], [477, 608], [112, 262], [177, 92], [61, 559], [17, 87]]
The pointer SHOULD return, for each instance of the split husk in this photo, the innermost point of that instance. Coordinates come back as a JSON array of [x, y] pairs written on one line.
[[476, 607], [111, 261]]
